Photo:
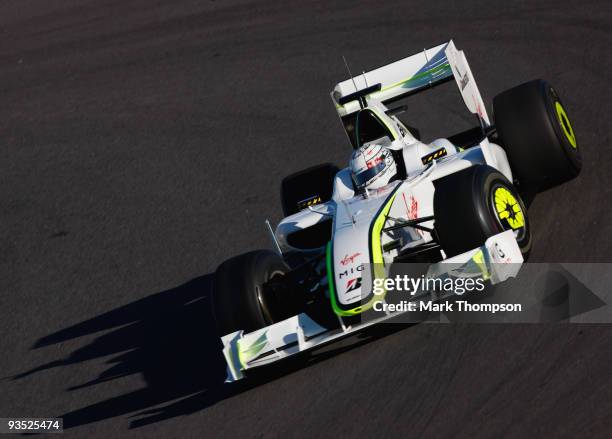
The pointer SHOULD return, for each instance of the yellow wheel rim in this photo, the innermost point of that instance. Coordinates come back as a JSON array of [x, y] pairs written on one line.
[[508, 208], [565, 124]]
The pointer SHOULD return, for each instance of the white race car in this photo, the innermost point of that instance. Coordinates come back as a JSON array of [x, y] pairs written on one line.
[[452, 202]]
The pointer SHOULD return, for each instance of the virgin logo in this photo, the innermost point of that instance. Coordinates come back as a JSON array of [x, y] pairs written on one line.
[[349, 259]]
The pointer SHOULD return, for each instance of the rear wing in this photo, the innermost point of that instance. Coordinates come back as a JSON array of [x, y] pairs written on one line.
[[409, 75]]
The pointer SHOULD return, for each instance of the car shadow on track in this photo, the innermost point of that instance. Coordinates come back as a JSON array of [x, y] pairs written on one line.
[[170, 340]]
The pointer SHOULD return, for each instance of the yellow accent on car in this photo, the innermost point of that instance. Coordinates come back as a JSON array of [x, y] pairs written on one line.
[[565, 124], [439, 153], [479, 260], [308, 202], [378, 263], [508, 208], [378, 266], [377, 257], [247, 353]]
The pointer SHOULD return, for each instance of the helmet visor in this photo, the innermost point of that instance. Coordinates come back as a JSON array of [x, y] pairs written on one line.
[[364, 177]]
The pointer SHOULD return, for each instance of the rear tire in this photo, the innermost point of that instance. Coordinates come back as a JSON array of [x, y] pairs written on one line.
[[315, 184], [239, 301], [475, 204], [535, 131]]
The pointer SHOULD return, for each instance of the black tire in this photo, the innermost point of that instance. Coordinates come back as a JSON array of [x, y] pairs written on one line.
[[238, 298], [316, 181], [536, 133], [466, 211]]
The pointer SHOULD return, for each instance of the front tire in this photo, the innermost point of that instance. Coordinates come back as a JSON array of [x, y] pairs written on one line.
[[536, 133], [475, 204], [239, 300]]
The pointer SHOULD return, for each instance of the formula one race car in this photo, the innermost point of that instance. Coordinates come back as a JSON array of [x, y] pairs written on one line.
[[453, 201]]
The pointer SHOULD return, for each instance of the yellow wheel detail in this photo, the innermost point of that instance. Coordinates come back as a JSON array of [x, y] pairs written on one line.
[[565, 124], [508, 208]]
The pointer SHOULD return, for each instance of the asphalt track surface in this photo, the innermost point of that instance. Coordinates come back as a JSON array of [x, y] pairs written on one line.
[[143, 142]]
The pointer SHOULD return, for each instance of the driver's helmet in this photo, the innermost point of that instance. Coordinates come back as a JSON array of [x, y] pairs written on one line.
[[372, 166]]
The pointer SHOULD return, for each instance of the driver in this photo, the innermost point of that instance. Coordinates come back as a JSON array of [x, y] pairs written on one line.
[[372, 166]]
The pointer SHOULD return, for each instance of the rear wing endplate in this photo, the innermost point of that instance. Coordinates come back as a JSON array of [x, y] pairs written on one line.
[[466, 83]]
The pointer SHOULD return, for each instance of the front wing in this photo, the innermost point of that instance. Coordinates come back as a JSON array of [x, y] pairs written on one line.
[[300, 333]]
